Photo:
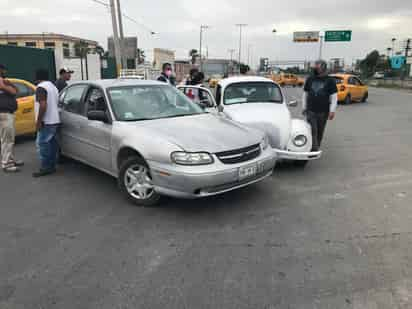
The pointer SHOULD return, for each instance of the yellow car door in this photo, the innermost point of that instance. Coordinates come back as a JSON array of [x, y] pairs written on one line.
[[25, 118]]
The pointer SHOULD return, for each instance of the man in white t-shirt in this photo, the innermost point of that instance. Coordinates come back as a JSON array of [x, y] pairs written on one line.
[[47, 123]]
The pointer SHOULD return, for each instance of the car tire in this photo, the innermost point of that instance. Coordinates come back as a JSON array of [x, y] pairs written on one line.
[[365, 97], [348, 100], [300, 163], [135, 182]]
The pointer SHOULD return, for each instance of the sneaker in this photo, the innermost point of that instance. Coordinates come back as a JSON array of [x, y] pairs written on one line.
[[11, 169], [42, 173], [18, 163]]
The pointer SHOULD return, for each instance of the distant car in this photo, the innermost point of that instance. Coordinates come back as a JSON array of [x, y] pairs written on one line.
[[156, 142], [285, 79], [379, 75], [25, 117], [260, 103], [350, 88]]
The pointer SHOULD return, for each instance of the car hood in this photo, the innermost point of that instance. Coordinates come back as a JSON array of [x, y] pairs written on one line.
[[205, 132], [272, 118]]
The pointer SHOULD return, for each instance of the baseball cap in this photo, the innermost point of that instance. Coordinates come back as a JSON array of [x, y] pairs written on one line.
[[65, 70]]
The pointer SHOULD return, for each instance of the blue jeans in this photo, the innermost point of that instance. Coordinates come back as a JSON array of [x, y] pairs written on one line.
[[47, 146]]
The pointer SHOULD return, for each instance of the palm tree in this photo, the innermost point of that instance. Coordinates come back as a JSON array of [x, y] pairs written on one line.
[[141, 56], [193, 54], [82, 49]]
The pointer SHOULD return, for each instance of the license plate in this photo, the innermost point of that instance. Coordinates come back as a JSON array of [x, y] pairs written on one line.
[[248, 171]]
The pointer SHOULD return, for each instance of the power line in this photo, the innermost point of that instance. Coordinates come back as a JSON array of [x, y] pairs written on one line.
[[127, 17]]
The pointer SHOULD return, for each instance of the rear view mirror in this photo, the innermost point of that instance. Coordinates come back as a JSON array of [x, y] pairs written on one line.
[[293, 103], [98, 116]]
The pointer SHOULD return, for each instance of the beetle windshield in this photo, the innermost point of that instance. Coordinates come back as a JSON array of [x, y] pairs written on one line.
[[134, 103], [252, 92]]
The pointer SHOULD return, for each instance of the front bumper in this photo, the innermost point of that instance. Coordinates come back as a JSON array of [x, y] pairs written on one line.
[[299, 156], [201, 181]]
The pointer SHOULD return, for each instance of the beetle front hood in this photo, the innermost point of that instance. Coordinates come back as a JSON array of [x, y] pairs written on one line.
[[272, 118], [205, 132]]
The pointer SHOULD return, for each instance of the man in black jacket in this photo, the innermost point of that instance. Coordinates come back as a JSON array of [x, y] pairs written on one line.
[[166, 74], [8, 106], [320, 99]]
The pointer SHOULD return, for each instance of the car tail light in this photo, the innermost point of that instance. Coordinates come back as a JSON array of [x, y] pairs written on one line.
[[342, 88]]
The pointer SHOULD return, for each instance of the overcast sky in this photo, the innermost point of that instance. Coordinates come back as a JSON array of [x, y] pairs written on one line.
[[177, 22]]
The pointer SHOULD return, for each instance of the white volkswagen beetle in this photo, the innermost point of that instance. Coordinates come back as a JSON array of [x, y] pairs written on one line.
[[259, 102]]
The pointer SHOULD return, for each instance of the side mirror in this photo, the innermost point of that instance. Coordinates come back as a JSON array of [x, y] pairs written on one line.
[[98, 116], [293, 103], [220, 108]]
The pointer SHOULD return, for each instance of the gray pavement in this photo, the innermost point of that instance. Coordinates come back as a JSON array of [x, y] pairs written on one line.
[[337, 234]]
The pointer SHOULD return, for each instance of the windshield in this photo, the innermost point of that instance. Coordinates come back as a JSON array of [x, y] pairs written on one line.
[[339, 80], [252, 92], [134, 103]]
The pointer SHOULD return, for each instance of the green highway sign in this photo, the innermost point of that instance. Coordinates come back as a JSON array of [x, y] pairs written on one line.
[[338, 36]]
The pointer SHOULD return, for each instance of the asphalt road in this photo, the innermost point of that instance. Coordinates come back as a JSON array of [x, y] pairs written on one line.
[[337, 234]]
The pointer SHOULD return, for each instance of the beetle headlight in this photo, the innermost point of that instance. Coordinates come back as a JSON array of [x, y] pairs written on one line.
[[300, 140], [191, 158], [264, 144]]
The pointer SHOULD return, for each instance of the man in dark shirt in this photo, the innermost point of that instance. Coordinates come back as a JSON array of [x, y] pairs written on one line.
[[320, 100], [8, 106], [166, 75], [65, 76]]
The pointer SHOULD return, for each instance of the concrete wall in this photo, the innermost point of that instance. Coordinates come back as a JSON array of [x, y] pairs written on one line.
[[93, 65]]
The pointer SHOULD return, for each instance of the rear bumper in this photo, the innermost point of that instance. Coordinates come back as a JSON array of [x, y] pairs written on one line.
[[298, 156]]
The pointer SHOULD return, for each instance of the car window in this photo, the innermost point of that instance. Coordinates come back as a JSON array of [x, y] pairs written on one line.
[[357, 81], [252, 92], [351, 81], [95, 100], [134, 103], [72, 101], [339, 80], [200, 96], [23, 90]]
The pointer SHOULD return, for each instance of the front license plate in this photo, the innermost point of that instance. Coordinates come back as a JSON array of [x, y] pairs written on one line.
[[248, 171]]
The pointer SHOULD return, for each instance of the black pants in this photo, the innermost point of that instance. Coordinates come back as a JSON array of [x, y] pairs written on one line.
[[318, 123]]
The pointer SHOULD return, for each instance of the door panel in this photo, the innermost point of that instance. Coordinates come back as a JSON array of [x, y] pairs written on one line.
[[25, 122]]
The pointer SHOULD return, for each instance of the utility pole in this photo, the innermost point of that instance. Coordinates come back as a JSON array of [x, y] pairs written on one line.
[[231, 51], [240, 42], [121, 35], [116, 37], [202, 28], [321, 47]]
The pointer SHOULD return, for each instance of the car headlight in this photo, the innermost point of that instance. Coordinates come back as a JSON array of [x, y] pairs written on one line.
[[191, 158], [300, 140], [264, 144]]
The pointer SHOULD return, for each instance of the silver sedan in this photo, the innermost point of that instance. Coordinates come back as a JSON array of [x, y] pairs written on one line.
[[157, 142]]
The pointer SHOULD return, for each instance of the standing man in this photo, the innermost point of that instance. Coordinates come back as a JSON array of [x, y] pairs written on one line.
[[166, 74], [47, 123], [320, 100], [65, 75], [8, 106]]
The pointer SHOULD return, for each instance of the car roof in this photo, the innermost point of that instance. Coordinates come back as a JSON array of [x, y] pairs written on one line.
[[243, 79], [17, 80], [343, 75], [121, 82]]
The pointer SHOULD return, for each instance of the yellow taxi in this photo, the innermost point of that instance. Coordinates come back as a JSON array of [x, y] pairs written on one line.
[[214, 80], [350, 88], [285, 79], [25, 115]]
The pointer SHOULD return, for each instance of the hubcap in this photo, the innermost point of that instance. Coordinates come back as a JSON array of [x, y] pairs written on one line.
[[138, 182]]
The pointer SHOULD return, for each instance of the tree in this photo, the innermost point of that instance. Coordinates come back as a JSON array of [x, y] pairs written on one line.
[[244, 68], [193, 54], [369, 64], [141, 56], [82, 49]]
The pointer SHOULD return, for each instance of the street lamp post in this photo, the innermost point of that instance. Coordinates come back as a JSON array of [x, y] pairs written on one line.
[[240, 41], [202, 28]]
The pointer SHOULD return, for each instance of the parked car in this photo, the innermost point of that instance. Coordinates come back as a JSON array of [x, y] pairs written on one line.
[[350, 88], [156, 141], [259, 102], [25, 118], [379, 75]]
